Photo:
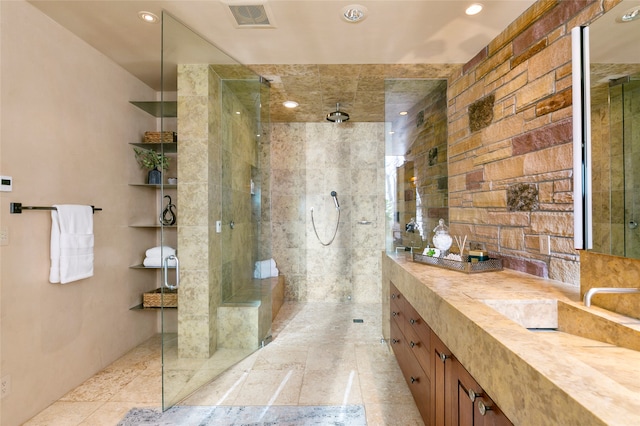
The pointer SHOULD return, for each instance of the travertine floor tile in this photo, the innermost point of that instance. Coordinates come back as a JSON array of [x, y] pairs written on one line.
[[64, 413], [319, 357]]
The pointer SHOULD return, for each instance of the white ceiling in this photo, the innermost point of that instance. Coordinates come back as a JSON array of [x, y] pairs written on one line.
[[306, 31]]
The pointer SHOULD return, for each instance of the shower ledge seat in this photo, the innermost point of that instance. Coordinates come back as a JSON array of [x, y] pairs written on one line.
[[251, 310]]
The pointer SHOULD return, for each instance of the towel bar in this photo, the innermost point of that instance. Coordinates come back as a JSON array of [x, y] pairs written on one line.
[[16, 208]]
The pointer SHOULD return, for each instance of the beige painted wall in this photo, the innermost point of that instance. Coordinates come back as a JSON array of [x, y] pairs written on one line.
[[66, 124]]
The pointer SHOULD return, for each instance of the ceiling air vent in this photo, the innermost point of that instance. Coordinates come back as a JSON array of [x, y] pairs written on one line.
[[251, 16]]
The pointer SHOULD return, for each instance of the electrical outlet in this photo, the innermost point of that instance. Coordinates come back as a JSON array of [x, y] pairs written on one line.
[[4, 236], [5, 386], [545, 244]]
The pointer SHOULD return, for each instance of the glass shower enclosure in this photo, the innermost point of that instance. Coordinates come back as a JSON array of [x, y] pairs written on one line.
[[223, 216]]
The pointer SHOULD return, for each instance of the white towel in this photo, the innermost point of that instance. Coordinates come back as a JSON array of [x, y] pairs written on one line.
[[160, 251], [156, 262], [265, 269], [71, 243]]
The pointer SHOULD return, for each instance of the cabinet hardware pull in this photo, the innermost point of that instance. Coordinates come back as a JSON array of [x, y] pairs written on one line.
[[395, 341], [483, 408], [473, 395], [393, 295], [412, 321], [444, 357], [394, 314], [413, 344], [414, 379]]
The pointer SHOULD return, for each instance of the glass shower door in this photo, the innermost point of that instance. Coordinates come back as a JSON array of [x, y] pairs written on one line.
[[224, 312]]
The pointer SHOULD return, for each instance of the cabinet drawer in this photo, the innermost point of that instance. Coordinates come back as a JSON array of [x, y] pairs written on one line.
[[419, 347], [418, 325], [419, 383], [397, 306], [396, 339]]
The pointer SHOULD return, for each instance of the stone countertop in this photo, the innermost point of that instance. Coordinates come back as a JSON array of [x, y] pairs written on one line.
[[536, 378]]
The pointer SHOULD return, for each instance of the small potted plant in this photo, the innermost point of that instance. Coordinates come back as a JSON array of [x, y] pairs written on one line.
[[153, 161]]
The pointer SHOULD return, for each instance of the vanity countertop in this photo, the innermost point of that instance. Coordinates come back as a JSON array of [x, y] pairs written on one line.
[[536, 378]]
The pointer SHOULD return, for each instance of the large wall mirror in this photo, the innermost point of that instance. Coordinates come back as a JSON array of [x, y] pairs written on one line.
[[614, 93], [415, 161]]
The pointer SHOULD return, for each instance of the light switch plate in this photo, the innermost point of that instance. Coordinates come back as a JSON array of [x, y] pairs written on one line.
[[6, 183]]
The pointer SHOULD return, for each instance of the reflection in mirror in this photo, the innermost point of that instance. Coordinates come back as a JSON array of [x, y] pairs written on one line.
[[615, 132], [416, 161]]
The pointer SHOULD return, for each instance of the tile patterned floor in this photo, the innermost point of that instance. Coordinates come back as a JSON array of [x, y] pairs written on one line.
[[318, 357]]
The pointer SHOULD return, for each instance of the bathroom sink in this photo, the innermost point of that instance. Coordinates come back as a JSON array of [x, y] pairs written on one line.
[[572, 318]]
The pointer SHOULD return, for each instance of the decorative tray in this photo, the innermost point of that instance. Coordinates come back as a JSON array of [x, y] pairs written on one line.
[[465, 266]]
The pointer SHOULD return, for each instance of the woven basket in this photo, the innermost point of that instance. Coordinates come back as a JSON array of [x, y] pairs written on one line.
[[155, 298], [159, 137]]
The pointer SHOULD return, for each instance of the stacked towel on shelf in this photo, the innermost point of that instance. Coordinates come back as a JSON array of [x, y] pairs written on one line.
[[155, 255], [71, 243], [265, 269]]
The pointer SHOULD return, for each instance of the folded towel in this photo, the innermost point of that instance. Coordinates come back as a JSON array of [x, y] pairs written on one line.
[[156, 262], [71, 243], [160, 251], [265, 269]]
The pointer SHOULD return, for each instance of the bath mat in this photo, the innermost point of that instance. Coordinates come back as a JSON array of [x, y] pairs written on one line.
[[347, 415]]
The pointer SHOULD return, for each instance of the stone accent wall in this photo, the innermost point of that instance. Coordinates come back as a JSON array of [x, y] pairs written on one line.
[[523, 157]]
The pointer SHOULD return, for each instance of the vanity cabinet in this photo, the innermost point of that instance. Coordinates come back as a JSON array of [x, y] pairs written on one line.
[[445, 393]]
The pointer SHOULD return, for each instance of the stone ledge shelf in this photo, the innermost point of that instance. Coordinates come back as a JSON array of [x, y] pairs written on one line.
[[536, 378]]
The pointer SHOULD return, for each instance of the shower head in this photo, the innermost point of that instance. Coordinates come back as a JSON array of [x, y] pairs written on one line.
[[337, 116], [334, 194]]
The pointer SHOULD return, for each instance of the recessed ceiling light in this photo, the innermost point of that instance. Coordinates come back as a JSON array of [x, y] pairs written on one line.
[[403, 113], [148, 17], [354, 13], [630, 15], [474, 9], [290, 104]]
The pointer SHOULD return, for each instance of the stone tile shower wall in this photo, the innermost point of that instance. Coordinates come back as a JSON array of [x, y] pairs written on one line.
[[510, 134], [308, 161], [199, 197]]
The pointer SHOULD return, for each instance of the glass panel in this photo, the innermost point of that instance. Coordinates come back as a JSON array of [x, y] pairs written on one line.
[[224, 309]]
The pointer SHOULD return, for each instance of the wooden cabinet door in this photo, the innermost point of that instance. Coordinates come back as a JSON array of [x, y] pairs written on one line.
[[471, 407], [441, 370], [465, 392]]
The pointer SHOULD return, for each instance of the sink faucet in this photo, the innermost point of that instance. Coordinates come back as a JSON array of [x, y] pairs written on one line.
[[595, 290]]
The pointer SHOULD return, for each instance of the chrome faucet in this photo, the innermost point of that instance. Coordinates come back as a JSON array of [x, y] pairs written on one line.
[[595, 290]]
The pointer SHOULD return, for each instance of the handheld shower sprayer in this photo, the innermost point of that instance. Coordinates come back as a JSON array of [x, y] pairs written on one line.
[[334, 194]]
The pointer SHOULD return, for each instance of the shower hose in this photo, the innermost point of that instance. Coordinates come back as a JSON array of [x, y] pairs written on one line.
[[334, 232]]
